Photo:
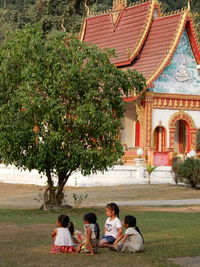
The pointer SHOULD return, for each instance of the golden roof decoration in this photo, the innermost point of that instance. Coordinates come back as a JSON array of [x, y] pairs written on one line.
[[119, 4], [189, 5]]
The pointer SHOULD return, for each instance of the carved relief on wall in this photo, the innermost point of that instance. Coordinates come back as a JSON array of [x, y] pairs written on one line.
[[148, 121], [167, 103], [181, 115], [181, 75], [140, 112], [182, 71]]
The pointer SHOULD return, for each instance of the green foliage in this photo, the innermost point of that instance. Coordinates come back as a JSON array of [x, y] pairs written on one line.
[[54, 14], [57, 14], [150, 168], [79, 198], [189, 172], [61, 106]]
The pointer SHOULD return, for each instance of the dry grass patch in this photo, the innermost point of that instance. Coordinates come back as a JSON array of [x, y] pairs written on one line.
[[188, 209], [30, 196]]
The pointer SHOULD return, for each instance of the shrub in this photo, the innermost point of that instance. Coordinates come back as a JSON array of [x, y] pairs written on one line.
[[189, 172], [198, 141]]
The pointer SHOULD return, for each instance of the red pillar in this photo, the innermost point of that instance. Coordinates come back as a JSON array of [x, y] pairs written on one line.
[[137, 134]]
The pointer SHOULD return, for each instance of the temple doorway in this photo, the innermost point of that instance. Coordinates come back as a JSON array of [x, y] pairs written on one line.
[[181, 137], [159, 139]]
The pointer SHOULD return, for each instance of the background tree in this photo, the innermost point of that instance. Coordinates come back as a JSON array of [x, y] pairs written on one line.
[[69, 14], [60, 107], [53, 15]]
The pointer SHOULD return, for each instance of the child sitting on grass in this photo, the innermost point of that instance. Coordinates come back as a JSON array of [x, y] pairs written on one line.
[[76, 235], [91, 236], [132, 240], [62, 238], [113, 226]]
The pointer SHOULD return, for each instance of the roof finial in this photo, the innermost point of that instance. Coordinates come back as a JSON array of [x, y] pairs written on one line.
[[119, 4], [87, 8], [189, 4]]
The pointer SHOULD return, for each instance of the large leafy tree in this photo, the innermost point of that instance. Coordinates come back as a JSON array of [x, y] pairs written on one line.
[[60, 106]]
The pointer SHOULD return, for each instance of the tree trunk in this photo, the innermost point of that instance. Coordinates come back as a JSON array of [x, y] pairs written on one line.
[[52, 199], [149, 178], [53, 195]]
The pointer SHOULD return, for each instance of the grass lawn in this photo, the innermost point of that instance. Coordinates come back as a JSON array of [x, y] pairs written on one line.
[[25, 238]]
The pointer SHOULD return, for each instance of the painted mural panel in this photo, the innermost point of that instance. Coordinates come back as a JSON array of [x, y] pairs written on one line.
[[181, 76]]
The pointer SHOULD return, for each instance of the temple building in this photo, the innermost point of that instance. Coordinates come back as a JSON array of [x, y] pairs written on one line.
[[165, 119]]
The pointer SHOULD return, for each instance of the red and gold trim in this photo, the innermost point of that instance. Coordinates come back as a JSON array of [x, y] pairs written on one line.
[[192, 130], [163, 64], [173, 101]]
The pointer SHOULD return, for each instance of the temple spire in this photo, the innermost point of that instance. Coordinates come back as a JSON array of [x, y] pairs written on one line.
[[119, 4]]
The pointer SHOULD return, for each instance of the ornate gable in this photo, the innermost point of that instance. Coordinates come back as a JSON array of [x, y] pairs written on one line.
[[143, 38], [181, 75]]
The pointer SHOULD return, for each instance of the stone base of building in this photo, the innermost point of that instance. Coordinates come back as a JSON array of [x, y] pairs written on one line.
[[118, 175]]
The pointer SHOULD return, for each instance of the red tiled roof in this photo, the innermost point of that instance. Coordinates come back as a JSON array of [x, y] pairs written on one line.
[[141, 42], [125, 36], [157, 46]]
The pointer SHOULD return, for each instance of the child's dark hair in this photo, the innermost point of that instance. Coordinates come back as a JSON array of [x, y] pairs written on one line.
[[131, 222], [92, 218], [63, 220], [71, 228], [114, 207]]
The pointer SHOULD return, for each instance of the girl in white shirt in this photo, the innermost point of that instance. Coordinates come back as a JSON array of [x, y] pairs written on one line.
[[113, 226], [132, 240], [62, 238]]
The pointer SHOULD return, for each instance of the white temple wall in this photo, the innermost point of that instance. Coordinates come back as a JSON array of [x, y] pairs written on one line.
[[162, 117], [128, 133], [118, 175], [196, 117]]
